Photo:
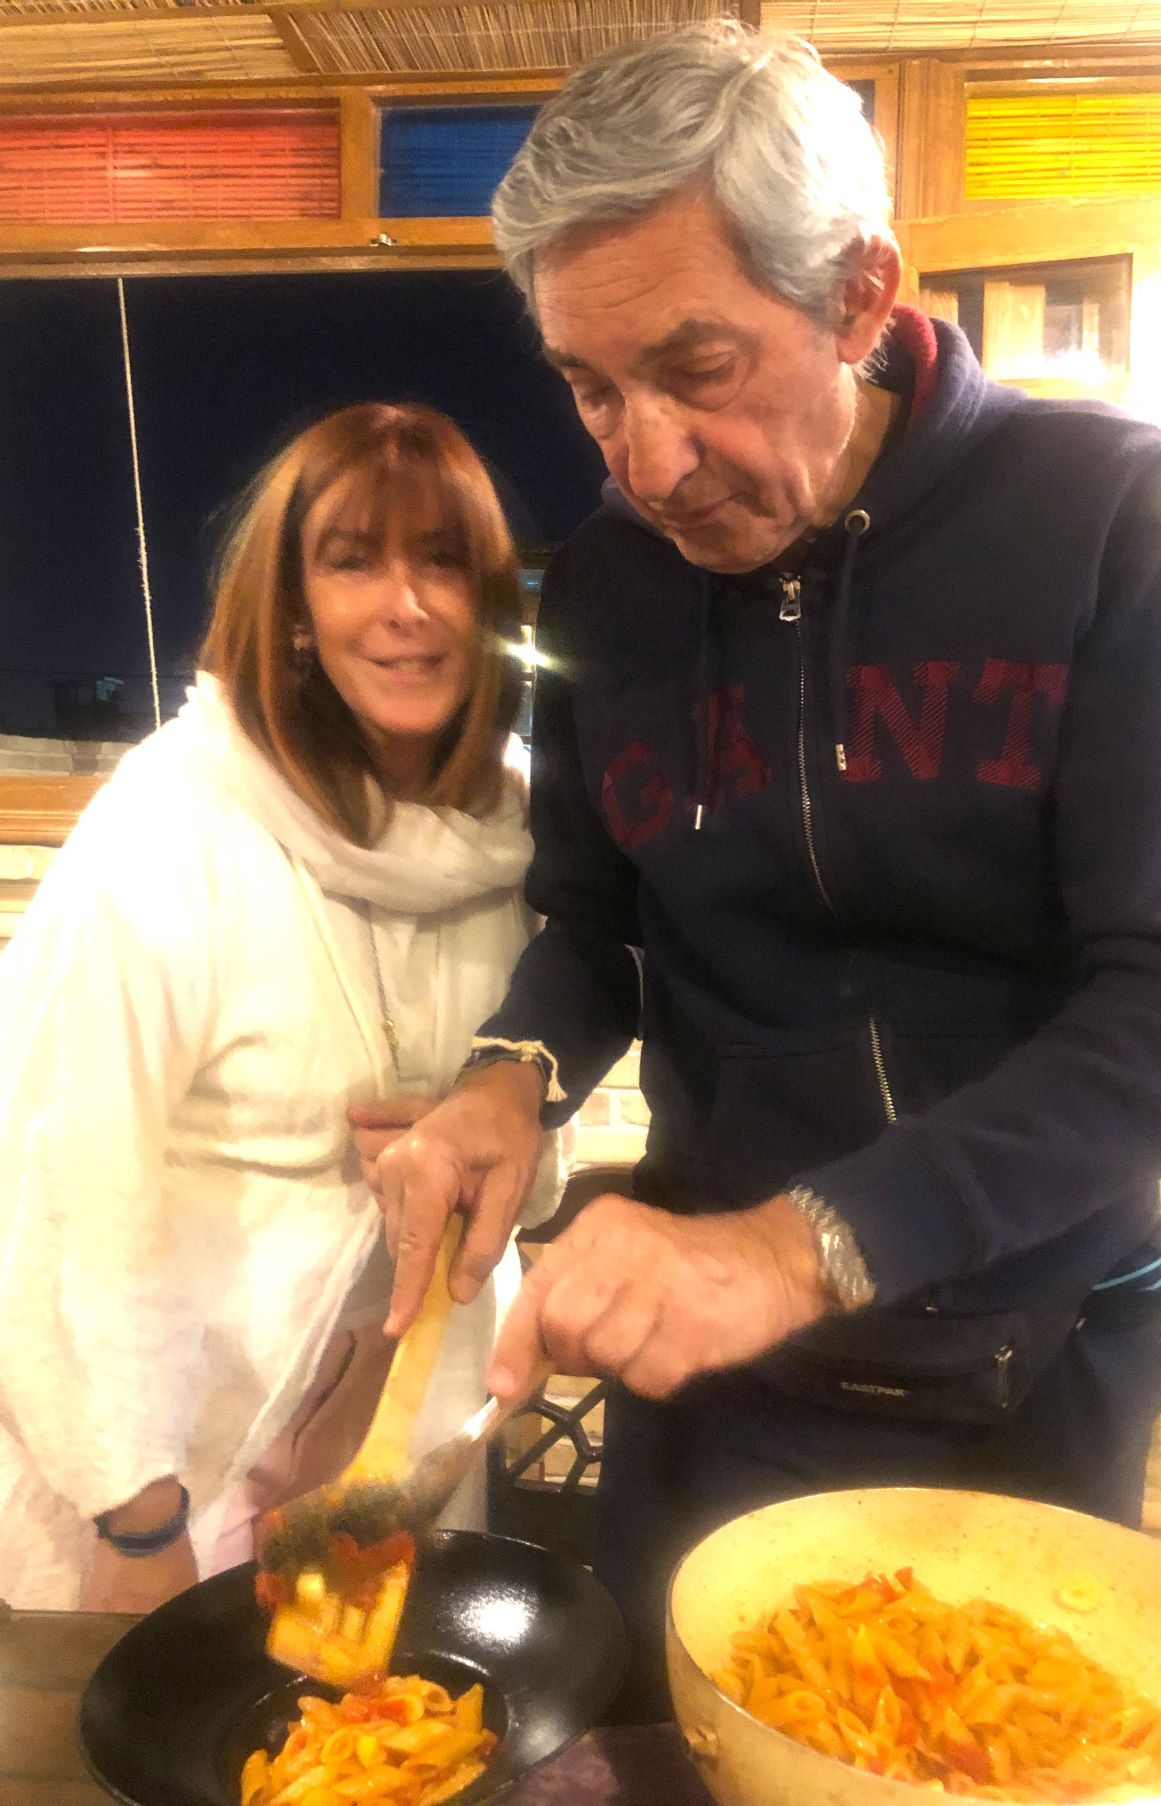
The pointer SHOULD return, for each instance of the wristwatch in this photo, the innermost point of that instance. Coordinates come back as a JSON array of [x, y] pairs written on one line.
[[840, 1259], [145, 1542]]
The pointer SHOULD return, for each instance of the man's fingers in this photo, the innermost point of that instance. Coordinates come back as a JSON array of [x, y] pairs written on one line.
[[621, 1336], [369, 1144], [519, 1350], [391, 1221], [524, 1337], [391, 1112], [587, 1291], [657, 1372], [380, 1126], [415, 1254], [423, 1196], [488, 1227]]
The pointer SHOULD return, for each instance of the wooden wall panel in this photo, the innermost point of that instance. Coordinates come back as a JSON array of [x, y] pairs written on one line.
[[931, 138]]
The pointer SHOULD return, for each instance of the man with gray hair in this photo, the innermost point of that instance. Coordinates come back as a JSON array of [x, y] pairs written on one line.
[[849, 722]]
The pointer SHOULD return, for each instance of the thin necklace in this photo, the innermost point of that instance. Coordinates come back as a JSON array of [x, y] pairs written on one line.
[[385, 1015]]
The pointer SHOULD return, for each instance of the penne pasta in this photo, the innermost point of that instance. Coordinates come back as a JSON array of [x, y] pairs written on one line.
[[966, 1699], [407, 1744]]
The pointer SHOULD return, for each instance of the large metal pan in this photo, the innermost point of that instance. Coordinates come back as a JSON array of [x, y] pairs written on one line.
[[962, 1545], [178, 1704]]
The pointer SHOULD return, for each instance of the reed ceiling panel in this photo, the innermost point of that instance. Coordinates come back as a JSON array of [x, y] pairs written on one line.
[[152, 49], [538, 34], [912, 25], [116, 9], [105, 42]]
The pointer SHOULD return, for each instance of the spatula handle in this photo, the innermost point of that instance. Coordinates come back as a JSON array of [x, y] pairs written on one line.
[[494, 1413], [384, 1449]]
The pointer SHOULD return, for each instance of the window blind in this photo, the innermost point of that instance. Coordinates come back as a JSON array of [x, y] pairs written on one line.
[[127, 167], [446, 161], [1081, 143]]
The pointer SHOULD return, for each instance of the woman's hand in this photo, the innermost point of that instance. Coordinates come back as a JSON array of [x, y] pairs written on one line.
[[379, 1125], [137, 1583]]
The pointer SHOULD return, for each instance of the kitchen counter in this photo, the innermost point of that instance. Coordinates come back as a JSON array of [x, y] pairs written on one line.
[[47, 1657], [45, 1660]]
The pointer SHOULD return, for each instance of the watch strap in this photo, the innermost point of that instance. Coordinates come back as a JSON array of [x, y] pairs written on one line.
[[843, 1269]]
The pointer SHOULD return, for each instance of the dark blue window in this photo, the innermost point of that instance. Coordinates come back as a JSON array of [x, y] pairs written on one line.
[[444, 161]]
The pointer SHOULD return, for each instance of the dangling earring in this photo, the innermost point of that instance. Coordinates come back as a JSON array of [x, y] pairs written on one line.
[[302, 652]]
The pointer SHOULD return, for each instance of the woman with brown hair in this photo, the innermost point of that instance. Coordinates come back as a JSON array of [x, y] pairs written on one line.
[[299, 896]]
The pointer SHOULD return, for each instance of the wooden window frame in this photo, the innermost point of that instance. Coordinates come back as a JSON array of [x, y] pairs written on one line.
[[1046, 232], [932, 117], [939, 230], [360, 239]]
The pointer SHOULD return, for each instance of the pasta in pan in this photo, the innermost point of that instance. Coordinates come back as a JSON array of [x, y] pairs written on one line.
[[408, 1744], [970, 1699]]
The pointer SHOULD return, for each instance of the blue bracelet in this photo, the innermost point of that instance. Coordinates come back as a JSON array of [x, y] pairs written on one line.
[[145, 1542]]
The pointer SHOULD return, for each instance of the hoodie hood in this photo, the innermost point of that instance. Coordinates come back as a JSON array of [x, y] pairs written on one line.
[[425, 861]]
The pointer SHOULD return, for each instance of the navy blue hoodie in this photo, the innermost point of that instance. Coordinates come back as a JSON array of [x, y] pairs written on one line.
[[890, 840]]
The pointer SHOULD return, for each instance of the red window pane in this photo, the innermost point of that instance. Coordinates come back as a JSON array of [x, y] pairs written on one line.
[[127, 167]]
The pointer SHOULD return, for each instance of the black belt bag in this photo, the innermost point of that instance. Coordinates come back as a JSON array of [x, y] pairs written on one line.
[[921, 1366]]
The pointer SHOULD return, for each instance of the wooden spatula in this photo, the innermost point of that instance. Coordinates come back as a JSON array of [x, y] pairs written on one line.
[[333, 1575]]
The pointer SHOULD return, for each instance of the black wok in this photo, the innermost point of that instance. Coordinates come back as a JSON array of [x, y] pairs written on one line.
[[177, 1705]]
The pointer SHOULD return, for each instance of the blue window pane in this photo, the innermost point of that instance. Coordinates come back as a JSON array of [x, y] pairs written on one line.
[[446, 161]]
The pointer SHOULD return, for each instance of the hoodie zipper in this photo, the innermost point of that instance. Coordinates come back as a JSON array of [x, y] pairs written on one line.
[[791, 612], [881, 1070]]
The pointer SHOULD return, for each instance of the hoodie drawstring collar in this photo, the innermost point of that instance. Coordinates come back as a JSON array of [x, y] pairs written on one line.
[[855, 524], [702, 736]]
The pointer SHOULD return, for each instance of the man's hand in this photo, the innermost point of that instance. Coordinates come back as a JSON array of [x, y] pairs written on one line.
[[380, 1125], [477, 1153], [653, 1299]]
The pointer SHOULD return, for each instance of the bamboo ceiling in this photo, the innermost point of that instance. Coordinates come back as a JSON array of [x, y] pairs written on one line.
[[909, 25], [536, 34], [107, 42]]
